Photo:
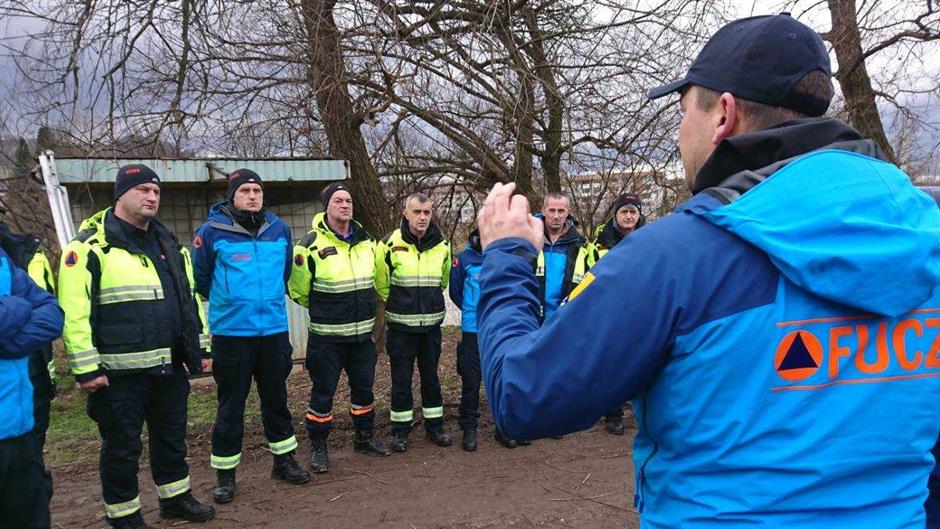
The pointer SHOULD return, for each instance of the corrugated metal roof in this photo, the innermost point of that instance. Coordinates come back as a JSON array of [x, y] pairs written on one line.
[[193, 170]]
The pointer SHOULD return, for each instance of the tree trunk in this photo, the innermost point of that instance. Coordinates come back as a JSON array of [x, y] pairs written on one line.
[[327, 78], [853, 75], [551, 158]]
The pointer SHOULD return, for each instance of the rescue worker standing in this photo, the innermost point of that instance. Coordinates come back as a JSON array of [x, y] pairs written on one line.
[[133, 328], [769, 329], [464, 291], [333, 275], [561, 264], [241, 258], [628, 217], [25, 253], [413, 267], [29, 320]]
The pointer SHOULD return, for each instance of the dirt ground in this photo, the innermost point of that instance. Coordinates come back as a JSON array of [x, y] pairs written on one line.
[[581, 481]]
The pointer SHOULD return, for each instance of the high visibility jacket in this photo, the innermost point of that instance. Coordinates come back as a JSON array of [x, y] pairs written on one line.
[[335, 280], [243, 275], [40, 271], [560, 267], [606, 236], [410, 276], [29, 318], [116, 309]]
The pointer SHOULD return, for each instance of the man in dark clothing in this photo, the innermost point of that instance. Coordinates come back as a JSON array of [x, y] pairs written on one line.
[[134, 327], [628, 217]]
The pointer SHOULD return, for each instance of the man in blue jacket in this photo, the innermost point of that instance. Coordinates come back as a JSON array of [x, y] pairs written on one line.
[[29, 319], [779, 333], [563, 259], [464, 291], [242, 260]]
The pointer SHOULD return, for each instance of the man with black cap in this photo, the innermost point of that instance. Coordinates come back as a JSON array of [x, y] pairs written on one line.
[[334, 277], [778, 332], [133, 329], [241, 257], [627, 218]]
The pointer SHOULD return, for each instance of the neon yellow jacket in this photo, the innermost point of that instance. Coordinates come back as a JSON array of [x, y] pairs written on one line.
[[335, 280], [115, 305], [410, 276]]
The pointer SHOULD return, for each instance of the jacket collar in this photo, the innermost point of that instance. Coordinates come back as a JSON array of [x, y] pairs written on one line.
[[431, 238], [750, 152]]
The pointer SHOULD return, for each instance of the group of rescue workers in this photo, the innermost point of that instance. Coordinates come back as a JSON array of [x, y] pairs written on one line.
[[134, 327], [712, 321]]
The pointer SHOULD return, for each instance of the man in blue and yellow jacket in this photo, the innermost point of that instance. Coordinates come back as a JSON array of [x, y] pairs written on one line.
[[133, 329], [561, 264], [412, 269], [334, 277], [241, 259], [779, 332], [29, 320]]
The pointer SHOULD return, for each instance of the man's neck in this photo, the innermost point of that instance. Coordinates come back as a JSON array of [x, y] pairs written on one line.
[[339, 226], [415, 233], [137, 222], [554, 236]]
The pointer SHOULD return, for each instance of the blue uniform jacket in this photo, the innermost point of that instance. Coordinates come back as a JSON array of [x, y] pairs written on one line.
[[29, 319], [464, 285], [560, 257], [779, 334], [243, 276]]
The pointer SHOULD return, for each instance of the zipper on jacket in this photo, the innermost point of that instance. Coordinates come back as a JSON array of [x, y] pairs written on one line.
[[638, 501]]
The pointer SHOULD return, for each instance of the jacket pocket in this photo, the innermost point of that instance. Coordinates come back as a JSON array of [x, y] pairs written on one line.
[[125, 334]]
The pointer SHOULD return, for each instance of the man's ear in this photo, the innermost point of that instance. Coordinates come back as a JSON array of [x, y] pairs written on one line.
[[726, 117]]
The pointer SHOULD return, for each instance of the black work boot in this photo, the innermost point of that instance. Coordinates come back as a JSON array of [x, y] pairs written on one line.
[[614, 425], [503, 440], [319, 456], [366, 443], [131, 521], [470, 440], [437, 436], [224, 490], [186, 507], [400, 443], [286, 469]]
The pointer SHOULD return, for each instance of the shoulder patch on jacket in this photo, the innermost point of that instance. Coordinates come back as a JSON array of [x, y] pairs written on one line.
[[326, 252], [71, 259], [308, 239], [399, 248], [197, 242], [298, 260]]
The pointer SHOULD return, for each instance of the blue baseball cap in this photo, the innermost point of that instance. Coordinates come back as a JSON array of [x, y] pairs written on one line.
[[759, 59]]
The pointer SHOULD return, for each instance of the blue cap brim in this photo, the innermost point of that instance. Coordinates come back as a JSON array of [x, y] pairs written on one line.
[[668, 88]]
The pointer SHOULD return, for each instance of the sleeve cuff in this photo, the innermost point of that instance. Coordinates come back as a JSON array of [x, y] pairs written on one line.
[[86, 377]]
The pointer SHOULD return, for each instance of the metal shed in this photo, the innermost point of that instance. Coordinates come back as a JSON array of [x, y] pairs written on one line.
[[190, 186]]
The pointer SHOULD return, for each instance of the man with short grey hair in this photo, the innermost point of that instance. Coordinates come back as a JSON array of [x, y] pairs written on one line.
[[412, 268]]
